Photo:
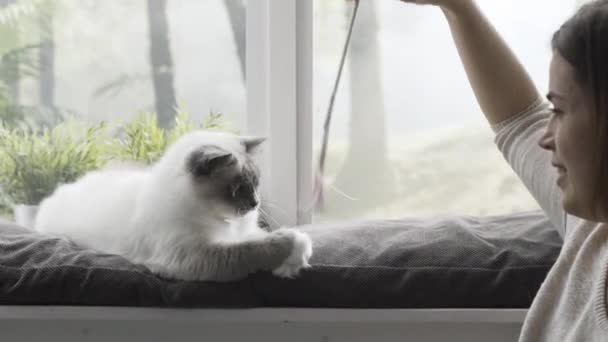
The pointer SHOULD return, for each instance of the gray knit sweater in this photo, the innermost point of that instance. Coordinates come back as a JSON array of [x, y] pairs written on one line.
[[571, 303]]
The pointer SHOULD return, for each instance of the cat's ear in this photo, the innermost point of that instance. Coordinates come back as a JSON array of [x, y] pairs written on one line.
[[205, 160], [252, 143]]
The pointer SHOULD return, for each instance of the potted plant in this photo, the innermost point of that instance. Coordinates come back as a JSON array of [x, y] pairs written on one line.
[[142, 140], [33, 162]]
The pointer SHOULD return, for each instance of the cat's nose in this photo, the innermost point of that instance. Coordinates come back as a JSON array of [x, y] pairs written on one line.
[[248, 204], [253, 203]]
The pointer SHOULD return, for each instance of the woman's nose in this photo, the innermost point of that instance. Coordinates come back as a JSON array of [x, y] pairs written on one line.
[[547, 141]]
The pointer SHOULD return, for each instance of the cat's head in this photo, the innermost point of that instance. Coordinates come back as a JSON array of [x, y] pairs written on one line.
[[222, 172]]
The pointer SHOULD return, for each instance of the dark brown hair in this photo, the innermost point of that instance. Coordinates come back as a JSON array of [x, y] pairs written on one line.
[[583, 42]]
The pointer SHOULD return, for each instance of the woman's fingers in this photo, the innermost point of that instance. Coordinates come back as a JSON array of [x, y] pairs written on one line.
[[423, 2]]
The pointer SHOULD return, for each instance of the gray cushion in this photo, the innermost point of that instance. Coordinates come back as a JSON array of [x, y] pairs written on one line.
[[442, 262]]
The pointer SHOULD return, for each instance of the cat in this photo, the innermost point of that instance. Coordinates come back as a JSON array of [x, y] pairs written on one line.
[[193, 215]]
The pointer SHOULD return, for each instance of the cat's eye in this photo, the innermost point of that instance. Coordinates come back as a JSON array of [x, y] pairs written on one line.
[[240, 190], [234, 190]]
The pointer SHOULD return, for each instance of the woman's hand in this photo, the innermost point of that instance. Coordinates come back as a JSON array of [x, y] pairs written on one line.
[[453, 6]]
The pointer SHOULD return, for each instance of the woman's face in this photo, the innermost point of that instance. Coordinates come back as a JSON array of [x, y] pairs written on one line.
[[570, 136]]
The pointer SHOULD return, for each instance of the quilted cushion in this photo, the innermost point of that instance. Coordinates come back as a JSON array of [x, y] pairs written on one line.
[[440, 262]]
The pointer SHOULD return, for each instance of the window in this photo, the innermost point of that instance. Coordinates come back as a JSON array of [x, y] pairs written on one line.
[[403, 102], [109, 61], [407, 137]]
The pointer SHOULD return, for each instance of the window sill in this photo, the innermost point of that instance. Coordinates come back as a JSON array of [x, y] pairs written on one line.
[[263, 315], [66, 324]]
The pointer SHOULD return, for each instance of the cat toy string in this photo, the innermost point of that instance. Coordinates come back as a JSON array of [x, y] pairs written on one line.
[[318, 188]]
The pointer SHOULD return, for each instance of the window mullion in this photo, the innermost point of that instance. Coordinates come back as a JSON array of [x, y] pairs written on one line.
[[279, 81]]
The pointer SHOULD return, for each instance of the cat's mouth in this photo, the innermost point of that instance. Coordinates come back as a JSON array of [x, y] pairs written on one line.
[[235, 213], [244, 212], [245, 206]]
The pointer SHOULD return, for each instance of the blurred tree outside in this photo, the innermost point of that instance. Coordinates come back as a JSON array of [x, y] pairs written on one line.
[[47, 59], [237, 15], [12, 83], [366, 159], [27, 54], [161, 62]]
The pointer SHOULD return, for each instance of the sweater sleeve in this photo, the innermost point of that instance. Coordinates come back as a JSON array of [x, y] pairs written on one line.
[[517, 138]]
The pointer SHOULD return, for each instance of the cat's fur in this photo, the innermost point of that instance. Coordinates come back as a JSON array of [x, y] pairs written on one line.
[[193, 215]]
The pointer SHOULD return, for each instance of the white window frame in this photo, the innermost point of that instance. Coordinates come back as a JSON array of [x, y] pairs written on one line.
[[279, 104]]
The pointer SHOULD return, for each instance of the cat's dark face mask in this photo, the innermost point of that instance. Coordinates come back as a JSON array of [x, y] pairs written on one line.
[[231, 183]]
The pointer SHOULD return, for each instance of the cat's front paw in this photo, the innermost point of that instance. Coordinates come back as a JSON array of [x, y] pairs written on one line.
[[300, 254]]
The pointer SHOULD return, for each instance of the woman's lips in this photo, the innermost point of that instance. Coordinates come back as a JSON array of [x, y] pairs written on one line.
[[561, 175]]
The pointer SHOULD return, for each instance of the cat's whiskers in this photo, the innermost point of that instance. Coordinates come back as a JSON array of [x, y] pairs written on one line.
[[334, 188], [311, 204], [269, 203], [266, 214]]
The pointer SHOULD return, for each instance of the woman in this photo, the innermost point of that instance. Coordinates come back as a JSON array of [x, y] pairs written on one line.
[[559, 148]]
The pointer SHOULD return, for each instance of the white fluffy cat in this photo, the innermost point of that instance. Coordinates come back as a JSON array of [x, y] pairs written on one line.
[[193, 215]]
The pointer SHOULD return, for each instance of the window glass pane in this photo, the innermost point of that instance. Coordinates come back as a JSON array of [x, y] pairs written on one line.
[[108, 61], [407, 136]]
